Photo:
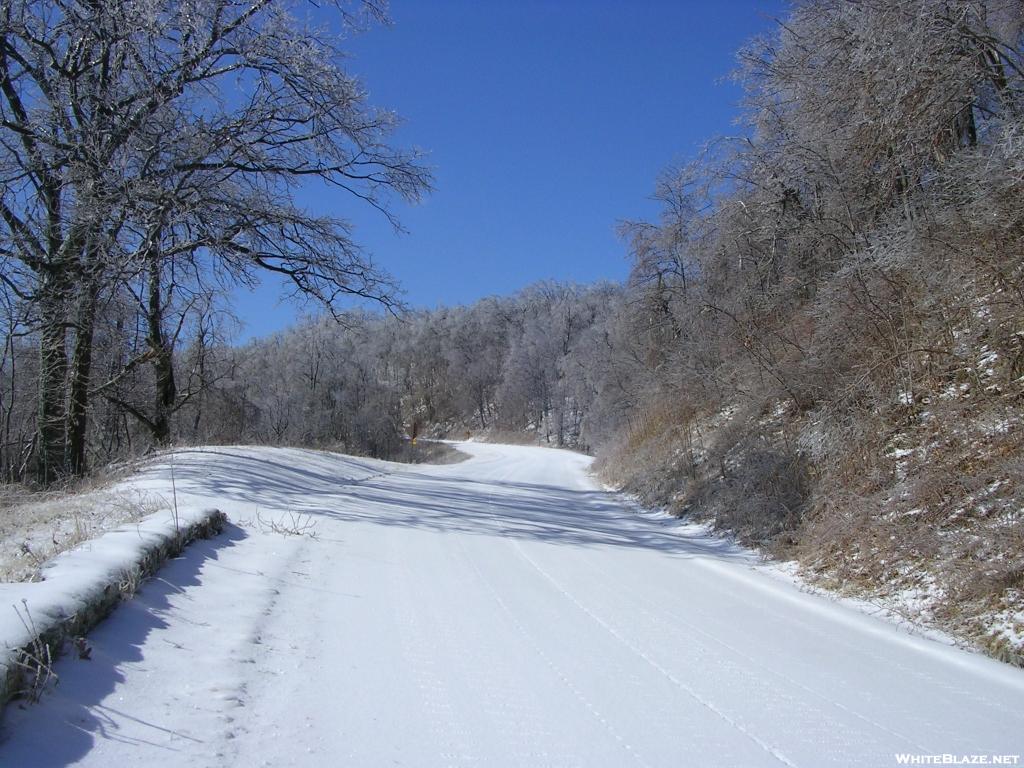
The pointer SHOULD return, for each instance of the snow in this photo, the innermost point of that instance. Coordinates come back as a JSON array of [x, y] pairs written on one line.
[[900, 453], [73, 580], [996, 426], [1008, 625], [504, 611], [987, 361]]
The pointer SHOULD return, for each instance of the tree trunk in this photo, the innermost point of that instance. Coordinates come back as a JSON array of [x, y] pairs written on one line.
[[81, 369], [7, 454], [163, 359], [51, 448]]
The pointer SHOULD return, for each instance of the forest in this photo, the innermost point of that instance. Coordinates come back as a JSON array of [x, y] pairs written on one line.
[[819, 348]]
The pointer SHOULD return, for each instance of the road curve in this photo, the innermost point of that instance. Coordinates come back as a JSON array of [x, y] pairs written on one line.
[[503, 611]]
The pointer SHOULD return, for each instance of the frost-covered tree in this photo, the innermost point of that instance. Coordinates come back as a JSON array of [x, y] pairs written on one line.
[[153, 150]]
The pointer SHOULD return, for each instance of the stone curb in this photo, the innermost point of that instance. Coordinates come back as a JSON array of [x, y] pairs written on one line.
[[102, 598]]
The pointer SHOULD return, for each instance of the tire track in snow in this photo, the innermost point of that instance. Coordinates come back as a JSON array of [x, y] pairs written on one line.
[[531, 642], [753, 583], [436, 702], [257, 648], [515, 720], [675, 625], [774, 752], [559, 672]]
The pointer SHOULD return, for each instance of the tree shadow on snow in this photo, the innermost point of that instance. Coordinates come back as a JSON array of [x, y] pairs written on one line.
[[64, 726], [444, 503]]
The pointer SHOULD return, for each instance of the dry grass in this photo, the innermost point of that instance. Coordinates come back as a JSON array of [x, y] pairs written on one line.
[[35, 660], [660, 454], [936, 527], [429, 452], [918, 507], [283, 524], [36, 526], [507, 436]]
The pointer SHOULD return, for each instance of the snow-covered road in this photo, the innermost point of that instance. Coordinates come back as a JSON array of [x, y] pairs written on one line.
[[499, 612]]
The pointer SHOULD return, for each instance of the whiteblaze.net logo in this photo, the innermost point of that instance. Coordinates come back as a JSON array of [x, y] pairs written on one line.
[[907, 758]]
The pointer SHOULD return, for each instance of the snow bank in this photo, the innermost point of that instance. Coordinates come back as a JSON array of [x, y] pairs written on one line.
[[81, 586]]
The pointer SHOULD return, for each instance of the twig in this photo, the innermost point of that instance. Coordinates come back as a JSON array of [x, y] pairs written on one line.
[[36, 660]]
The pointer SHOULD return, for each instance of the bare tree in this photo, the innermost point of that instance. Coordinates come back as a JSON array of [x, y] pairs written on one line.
[[129, 157]]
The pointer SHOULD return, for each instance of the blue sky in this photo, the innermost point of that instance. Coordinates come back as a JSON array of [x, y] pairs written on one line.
[[546, 123]]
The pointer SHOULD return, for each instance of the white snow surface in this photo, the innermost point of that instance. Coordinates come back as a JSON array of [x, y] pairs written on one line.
[[74, 578], [504, 611]]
